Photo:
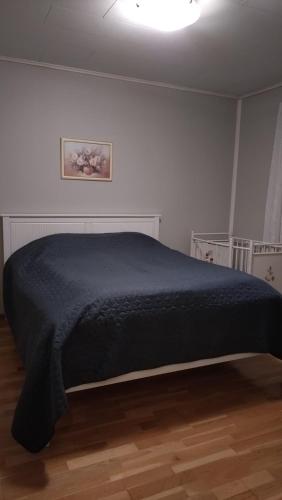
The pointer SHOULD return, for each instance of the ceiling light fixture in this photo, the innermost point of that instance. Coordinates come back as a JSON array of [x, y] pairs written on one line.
[[163, 15]]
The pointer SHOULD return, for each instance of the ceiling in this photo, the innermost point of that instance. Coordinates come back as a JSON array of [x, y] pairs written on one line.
[[235, 48]]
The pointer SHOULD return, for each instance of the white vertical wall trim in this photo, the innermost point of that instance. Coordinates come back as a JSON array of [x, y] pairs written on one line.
[[235, 165]]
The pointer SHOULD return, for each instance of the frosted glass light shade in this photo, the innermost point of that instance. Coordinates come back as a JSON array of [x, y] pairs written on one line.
[[163, 15]]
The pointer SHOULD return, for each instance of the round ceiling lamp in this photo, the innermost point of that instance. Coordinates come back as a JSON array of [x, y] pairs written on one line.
[[163, 15]]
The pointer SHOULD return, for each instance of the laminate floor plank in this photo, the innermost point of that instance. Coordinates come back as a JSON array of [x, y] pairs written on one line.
[[211, 433]]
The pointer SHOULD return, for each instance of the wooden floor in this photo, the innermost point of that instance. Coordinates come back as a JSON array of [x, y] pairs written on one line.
[[208, 433]]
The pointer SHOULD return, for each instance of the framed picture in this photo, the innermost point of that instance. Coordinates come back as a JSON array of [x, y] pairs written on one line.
[[86, 160]]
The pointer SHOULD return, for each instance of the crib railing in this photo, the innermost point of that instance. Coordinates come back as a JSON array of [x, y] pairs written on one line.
[[231, 251]]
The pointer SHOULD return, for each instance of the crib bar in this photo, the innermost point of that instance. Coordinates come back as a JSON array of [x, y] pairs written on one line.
[[192, 245], [231, 251]]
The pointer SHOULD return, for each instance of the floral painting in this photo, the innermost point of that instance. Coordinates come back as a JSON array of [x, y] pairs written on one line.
[[86, 160]]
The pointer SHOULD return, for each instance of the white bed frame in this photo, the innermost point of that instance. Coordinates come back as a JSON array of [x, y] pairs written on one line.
[[20, 229]]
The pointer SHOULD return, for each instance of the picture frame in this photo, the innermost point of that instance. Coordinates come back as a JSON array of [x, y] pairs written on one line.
[[87, 160]]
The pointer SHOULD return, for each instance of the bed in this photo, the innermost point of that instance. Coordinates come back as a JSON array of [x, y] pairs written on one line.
[[91, 307]]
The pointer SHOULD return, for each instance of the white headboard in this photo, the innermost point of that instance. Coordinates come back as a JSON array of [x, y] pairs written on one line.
[[20, 229]]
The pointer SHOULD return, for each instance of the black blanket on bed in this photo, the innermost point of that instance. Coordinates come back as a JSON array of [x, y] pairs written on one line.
[[84, 308]]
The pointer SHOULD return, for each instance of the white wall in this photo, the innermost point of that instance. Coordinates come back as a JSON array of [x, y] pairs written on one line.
[[172, 150], [259, 115]]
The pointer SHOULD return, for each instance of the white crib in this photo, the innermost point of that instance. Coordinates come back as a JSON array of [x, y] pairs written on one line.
[[259, 258]]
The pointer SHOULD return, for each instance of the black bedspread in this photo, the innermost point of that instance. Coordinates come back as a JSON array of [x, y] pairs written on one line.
[[85, 308]]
